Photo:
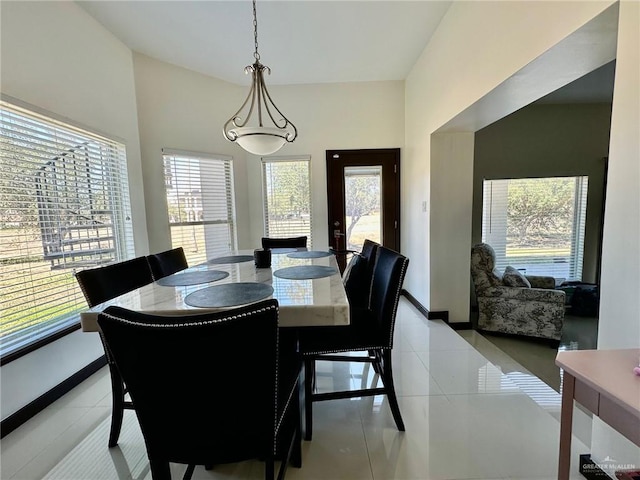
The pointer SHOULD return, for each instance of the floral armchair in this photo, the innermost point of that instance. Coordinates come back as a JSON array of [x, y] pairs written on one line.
[[532, 309]]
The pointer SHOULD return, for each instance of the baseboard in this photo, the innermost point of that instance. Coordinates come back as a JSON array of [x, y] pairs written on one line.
[[435, 315], [414, 301], [12, 422], [544, 341], [590, 470], [439, 315], [461, 325]]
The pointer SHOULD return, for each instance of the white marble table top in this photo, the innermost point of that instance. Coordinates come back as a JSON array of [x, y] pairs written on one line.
[[316, 302]]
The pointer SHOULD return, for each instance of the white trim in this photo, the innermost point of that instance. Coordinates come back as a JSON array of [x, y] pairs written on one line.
[[66, 121], [286, 158], [198, 155]]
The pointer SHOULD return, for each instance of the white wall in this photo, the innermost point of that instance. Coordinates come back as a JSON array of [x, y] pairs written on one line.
[[331, 117], [619, 319], [480, 46], [619, 325], [476, 49], [58, 58], [185, 110], [92, 82], [452, 176]]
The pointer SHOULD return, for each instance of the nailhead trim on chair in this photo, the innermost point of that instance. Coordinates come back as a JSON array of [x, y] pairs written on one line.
[[189, 324], [277, 418], [153, 277], [403, 271], [359, 349], [84, 291]]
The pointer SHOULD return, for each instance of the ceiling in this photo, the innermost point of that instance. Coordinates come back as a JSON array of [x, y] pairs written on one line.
[[594, 87], [302, 41]]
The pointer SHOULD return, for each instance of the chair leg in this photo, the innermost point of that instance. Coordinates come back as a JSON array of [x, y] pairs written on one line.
[[269, 469], [296, 453], [376, 365], [160, 469], [117, 402], [309, 374], [292, 449], [377, 361], [189, 472], [387, 380]]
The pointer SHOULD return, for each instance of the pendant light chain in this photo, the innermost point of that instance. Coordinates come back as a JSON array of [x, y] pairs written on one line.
[[256, 55], [259, 139]]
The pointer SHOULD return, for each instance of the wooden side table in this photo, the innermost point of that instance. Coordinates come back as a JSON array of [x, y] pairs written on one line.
[[603, 382]]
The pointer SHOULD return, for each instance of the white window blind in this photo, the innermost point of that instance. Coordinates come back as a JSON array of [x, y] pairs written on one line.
[[199, 189], [287, 197], [64, 206], [537, 225]]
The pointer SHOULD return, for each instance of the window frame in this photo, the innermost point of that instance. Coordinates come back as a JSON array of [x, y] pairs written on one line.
[[226, 162], [56, 131], [499, 241], [265, 201]]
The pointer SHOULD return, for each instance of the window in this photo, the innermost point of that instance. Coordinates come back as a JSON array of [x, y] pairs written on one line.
[[199, 188], [64, 206], [287, 197], [537, 225], [363, 205]]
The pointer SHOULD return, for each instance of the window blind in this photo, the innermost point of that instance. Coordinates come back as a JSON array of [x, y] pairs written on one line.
[[200, 202], [287, 197], [64, 206], [537, 225]]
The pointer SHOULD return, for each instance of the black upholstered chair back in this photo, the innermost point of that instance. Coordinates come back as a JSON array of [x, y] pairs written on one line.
[[371, 330], [358, 275], [292, 242], [203, 386], [369, 250], [104, 283], [99, 285], [388, 276], [168, 262]]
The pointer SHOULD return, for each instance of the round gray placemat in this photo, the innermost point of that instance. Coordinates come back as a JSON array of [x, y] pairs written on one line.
[[192, 278], [231, 259], [305, 272], [309, 254], [229, 294]]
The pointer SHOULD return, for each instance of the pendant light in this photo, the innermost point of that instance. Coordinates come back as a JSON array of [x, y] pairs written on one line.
[[258, 138]]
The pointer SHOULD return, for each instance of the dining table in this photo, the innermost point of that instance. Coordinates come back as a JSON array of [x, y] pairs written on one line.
[[306, 283]]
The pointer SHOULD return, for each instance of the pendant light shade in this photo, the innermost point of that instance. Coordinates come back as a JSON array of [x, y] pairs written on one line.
[[259, 140], [251, 133]]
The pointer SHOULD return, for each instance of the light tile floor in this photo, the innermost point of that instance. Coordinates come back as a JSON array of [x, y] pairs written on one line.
[[471, 412], [578, 333]]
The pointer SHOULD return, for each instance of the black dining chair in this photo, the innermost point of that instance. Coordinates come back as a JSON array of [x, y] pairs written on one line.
[[291, 242], [358, 274], [188, 379], [166, 263], [371, 330], [105, 283]]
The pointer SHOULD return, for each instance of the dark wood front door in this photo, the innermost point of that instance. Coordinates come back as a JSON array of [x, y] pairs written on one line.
[[363, 194]]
